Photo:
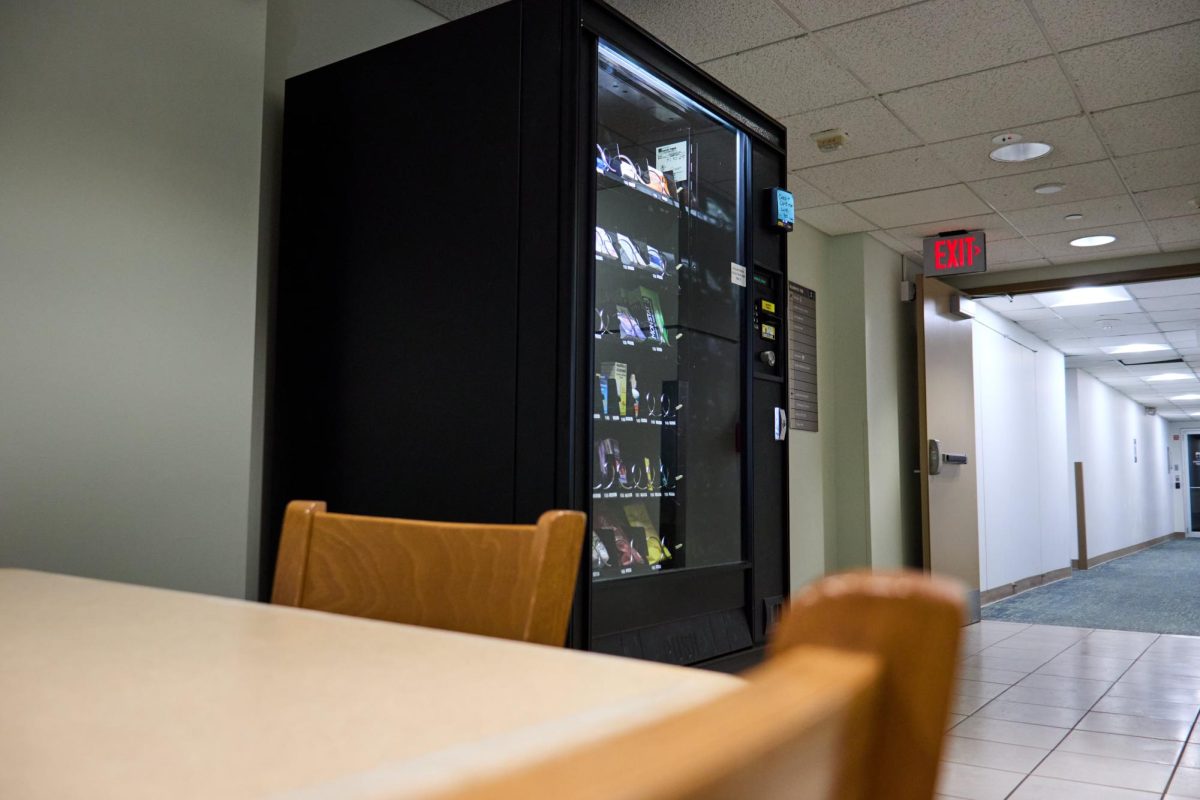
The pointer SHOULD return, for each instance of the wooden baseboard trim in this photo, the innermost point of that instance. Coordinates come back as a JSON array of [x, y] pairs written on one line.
[[1009, 589], [1128, 551]]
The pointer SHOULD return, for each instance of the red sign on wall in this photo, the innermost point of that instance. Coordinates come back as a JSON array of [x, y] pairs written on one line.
[[956, 253]]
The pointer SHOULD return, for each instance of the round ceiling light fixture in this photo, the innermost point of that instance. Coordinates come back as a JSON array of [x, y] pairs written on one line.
[[1093, 241], [1073, 217], [1049, 188], [1020, 151]]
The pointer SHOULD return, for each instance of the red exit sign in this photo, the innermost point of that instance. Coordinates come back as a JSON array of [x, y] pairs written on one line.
[[956, 253]]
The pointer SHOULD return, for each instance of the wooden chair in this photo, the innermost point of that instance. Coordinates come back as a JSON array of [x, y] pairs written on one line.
[[912, 623], [779, 736], [508, 581], [851, 705]]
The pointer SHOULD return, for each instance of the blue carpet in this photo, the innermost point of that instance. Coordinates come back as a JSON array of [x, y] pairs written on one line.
[[1156, 590]]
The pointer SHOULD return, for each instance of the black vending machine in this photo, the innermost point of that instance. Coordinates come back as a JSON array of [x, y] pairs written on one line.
[[532, 259]]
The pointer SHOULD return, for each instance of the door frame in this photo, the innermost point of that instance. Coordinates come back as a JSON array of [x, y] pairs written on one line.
[[1186, 482]]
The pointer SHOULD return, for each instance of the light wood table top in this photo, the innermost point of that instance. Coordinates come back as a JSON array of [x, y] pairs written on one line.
[[112, 690]]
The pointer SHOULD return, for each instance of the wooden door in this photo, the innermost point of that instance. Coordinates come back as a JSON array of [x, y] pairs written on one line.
[[946, 389]]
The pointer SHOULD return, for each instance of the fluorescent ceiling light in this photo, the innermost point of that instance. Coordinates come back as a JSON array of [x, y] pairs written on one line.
[[1086, 296], [1170, 376], [1020, 151], [1093, 241], [1136, 348], [1049, 188], [1186, 397]]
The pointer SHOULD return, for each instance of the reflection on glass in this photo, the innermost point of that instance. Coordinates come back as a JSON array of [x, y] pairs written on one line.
[[666, 472]]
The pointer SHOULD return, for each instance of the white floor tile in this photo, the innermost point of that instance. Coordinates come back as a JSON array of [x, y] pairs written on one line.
[[1081, 697], [980, 688], [1138, 707], [1105, 771], [1191, 756], [997, 755], [1135, 726], [1117, 745], [1186, 783], [1002, 730], [991, 674], [1037, 787], [1028, 712], [976, 783]]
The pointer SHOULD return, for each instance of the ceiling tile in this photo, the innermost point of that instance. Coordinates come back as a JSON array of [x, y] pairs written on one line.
[[1050, 219], [1073, 140], [1183, 315], [787, 77], [921, 43], [1006, 303], [816, 14], [1074, 23], [993, 225], [704, 29], [1074, 258], [1175, 247], [1006, 97], [805, 194], [1161, 169], [1083, 182], [1177, 229], [1017, 265], [1144, 67], [1173, 202], [946, 202], [1156, 125], [886, 173], [1170, 302], [1129, 236], [834, 220], [1165, 288], [871, 127], [1010, 251], [1030, 314]]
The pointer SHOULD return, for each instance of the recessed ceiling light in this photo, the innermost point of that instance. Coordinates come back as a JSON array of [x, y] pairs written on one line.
[[1093, 241], [1170, 376], [1073, 217], [1136, 348], [1084, 296], [1107, 324], [1020, 151], [1049, 188], [1186, 397]]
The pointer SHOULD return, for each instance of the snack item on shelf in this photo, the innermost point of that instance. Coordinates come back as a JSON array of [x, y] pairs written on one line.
[[652, 313], [639, 517], [600, 557], [630, 256], [604, 245], [630, 329], [617, 371]]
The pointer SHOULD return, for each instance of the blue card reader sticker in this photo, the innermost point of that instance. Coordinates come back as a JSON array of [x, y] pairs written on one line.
[[785, 208]]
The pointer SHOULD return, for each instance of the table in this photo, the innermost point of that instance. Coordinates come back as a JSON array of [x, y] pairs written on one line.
[[113, 690]]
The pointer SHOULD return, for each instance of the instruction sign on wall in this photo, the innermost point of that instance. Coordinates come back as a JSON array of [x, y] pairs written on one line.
[[802, 357]]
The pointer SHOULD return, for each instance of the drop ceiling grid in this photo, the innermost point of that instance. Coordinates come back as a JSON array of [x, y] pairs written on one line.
[[1131, 381], [1087, 115], [1017, 33]]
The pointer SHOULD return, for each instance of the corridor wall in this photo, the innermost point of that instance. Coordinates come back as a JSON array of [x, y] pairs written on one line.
[[1125, 453], [1025, 523]]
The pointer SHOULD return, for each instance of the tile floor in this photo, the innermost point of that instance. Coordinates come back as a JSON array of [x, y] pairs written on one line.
[[1044, 712]]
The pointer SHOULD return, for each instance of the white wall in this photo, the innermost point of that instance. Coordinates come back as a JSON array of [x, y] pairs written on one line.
[[1127, 501], [1025, 494], [130, 136], [138, 176]]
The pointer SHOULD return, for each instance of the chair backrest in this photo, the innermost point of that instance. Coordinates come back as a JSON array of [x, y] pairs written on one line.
[[509, 581], [911, 622], [777, 737]]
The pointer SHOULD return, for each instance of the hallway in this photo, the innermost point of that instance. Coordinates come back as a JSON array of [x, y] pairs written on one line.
[[1059, 713], [1152, 591]]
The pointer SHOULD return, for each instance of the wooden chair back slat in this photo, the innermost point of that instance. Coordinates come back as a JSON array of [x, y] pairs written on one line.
[[509, 581], [912, 623], [777, 737]]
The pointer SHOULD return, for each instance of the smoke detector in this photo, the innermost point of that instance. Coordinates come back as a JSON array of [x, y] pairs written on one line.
[[830, 140]]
